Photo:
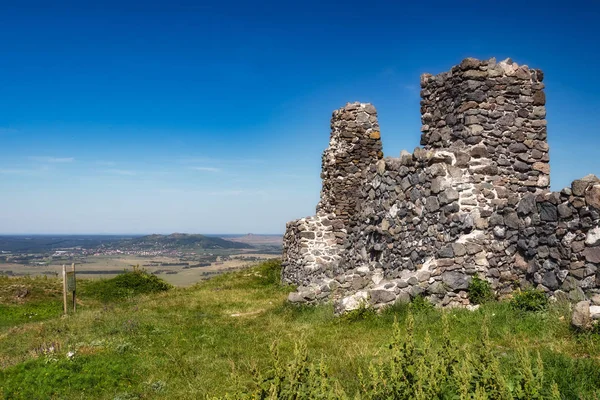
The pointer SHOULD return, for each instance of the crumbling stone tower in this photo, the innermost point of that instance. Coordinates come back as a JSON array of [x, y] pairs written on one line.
[[492, 115], [473, 201], [354, 145]]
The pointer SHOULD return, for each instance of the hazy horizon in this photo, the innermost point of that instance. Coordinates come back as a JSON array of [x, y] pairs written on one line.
[[140, 234]]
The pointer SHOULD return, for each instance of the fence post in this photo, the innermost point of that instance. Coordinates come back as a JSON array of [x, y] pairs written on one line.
[[74, 288], [64, 274]]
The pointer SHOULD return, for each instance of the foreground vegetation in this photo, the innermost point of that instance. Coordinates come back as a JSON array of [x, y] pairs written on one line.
[[235, 336]]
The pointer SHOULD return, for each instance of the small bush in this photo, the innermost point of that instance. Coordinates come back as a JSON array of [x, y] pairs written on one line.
[[125, 285], [270, 272], [361, 313], [530, 300], [480, 291], [420, 304]]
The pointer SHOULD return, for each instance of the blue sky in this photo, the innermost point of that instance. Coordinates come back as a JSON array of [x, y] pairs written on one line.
[[141, 117]]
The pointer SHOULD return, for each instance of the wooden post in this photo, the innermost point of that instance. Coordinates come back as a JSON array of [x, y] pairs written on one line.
[[74, 288], [64, 273]]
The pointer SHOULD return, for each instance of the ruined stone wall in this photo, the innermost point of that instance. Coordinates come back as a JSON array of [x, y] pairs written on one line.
[[558, 246], [473, 201], [354, 145]]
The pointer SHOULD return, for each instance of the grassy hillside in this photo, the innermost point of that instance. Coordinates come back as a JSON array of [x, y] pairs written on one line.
[[214, 338]]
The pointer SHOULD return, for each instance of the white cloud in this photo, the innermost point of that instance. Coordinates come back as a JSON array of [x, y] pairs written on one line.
[[12, 171], [206, 169], [15, 171], [53, 160], [220, 161], [226, 193], [123, 172], [413, 89]]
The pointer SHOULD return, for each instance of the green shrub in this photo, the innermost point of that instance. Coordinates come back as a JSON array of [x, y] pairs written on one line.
[[358, 314], [125, 285], [480, 291], [411, 369], [298, 379], [269, 272], [420, 304], [530, 300]]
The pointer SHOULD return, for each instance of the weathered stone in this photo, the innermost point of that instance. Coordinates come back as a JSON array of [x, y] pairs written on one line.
[[539, 98], [456, 280], [403, 298], [295, 297], [432, 204], [517, 148], [549, 280], [542, 167], [459, 249], [521, 166], [593, 237], [448, 196], [581, 315], [548, 212], [592, 254], [437, 288], [564, 211], [378, 296], [446, 252], [580, 185], [307, 235], [352, 302], [592, 196], [527, 205], [511, 220]]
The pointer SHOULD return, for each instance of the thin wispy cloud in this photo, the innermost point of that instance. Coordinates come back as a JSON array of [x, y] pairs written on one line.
[[216, 193], [123, 172], [220, 161], [226, 193], [106, 163], [413, 89], [206, 169], [12, 171], [16, 171], [52, 160]]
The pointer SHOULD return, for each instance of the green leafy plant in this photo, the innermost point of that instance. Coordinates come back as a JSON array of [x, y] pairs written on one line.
[[480, 291], [363, 312], [297, 379], [530, 300], [411, 369], [420, 304], [125, 285]]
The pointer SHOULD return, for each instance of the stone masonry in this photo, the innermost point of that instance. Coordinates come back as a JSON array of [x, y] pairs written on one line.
[[474, 200]]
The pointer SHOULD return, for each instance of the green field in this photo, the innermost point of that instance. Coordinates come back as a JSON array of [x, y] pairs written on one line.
[[215, 337]]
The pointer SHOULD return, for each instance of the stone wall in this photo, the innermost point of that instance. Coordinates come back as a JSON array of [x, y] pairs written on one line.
[[473, 201]]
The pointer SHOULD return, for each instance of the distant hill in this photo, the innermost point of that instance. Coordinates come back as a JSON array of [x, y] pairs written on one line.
[[175, 241], [256, 239], [180, 241], [46, 243]]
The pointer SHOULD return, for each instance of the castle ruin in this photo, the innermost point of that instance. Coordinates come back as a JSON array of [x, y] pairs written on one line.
[[473, 201]]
